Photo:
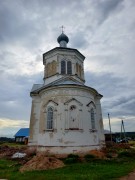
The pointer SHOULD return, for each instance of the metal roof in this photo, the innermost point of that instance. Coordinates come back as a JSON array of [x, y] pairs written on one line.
[[36, 86], [64, 49], [22, 132]]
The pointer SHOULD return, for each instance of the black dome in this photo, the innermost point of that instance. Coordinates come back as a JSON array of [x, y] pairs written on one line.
[[62, 37]]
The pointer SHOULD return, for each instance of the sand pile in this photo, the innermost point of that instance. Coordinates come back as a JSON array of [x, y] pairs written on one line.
[[41, 162]]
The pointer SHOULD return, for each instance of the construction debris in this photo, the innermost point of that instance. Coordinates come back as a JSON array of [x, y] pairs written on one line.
[[41, 162], [18, 155]]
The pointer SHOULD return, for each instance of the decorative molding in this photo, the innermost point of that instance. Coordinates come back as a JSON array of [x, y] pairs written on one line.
[[56, 104], [73, 99], [50, 130], [74, 129], [91, 102]]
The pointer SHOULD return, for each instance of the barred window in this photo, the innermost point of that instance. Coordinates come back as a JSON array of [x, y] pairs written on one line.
[[63, 67], [69, 67], [50, 118], [92, 118]]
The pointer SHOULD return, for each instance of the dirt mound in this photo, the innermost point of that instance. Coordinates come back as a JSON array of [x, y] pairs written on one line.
[[41, 162]]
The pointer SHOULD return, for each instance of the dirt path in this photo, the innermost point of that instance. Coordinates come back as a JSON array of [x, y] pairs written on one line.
[[130, 176]]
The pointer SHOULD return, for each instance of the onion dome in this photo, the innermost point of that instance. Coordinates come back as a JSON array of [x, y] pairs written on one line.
[[63, 40]]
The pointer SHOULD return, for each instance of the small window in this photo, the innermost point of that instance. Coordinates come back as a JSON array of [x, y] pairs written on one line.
[[92, 118], [63, 67], [69, 67], [50, 118]]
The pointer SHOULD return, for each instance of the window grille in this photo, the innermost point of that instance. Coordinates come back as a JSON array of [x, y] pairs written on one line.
[[63, 67], [92, 119], [50, 118], [69, 67]]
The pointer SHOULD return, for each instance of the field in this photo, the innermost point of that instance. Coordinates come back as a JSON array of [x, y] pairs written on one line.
[[101, 170], [92, 168]]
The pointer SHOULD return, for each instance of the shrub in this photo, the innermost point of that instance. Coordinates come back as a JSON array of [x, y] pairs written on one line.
[[72, 158], [123, 154], [89, 157], [109, 155]]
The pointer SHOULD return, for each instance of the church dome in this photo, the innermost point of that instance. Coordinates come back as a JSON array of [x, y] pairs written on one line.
[[62, 37]]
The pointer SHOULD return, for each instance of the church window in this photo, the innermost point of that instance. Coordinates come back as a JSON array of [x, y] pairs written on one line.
[[50, 118], [69, 67], [92, 118], [63, 67]]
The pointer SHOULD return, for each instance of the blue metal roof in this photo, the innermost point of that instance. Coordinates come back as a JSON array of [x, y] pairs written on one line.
[[22, 132]]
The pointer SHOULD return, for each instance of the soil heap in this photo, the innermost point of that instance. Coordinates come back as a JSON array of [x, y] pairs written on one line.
[[42, 162]]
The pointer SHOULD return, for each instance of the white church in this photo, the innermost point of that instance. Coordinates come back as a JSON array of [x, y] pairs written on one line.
[[66, 114]]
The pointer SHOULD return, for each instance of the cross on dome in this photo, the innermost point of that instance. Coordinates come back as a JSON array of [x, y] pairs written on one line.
[[63, 39], [62, 28]]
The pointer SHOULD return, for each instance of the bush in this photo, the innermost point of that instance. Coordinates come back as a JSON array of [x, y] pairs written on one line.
[[109, 155], [72, 158], [128, 154], [89, 157]]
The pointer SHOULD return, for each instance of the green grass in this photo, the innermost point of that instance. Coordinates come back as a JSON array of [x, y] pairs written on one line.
[[95, 170], [13, 144]]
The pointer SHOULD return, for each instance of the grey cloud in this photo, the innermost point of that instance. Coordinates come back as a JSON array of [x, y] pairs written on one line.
[[15, 96], [78, 40], [114, 90], [105, 83], [123, 100], [106, 7]]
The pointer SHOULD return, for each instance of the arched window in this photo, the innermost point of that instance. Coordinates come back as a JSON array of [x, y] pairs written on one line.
[[63, 67], [50, 118], [92, 118], [69, 67]]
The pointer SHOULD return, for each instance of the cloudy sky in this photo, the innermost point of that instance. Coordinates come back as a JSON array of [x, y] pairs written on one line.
[[102, 30]]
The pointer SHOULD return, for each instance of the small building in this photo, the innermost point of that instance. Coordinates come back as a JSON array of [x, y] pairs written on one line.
[[22, 135], [66, 115]]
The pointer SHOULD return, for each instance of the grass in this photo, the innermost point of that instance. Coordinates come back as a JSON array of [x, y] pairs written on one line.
[[94, 170], [13, 144]]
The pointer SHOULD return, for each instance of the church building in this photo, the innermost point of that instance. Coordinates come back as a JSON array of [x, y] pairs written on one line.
[[66, 114]]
